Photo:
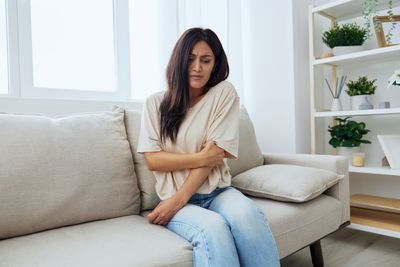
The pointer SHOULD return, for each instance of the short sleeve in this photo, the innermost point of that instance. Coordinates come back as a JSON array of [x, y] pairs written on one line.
[[149, 137], [224, 129]]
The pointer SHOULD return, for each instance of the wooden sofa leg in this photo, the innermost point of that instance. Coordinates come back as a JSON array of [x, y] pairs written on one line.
[[316, 254]]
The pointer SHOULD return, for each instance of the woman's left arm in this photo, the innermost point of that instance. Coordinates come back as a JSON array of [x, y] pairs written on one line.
[[163, 213]]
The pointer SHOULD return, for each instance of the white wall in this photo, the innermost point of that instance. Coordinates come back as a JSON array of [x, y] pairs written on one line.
[[268, 70]]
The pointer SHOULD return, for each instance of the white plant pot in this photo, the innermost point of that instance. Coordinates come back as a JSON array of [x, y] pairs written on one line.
[[336, 105], [347, 151], [342, 50], [359, 102]]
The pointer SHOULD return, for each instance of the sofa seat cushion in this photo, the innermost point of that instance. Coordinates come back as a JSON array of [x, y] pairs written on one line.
[[296, 225], [124, 241]]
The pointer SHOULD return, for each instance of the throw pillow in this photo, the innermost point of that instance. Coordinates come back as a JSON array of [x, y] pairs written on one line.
[[285, 182]]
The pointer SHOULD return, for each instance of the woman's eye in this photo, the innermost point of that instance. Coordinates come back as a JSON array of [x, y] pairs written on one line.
[[206, 61]]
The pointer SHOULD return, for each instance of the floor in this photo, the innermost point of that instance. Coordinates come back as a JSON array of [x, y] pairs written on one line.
[[354, 248]]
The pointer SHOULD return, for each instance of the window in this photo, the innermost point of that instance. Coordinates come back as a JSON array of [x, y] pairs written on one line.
[[73, 44], [71, 49], [3, 49]]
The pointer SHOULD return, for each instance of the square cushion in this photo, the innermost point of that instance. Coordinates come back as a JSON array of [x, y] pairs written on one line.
[[285, 182], [63, 171]]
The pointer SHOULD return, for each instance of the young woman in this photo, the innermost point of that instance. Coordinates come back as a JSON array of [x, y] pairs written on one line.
[[186, 133]]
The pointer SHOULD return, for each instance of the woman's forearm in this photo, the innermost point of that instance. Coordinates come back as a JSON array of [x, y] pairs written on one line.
[[210, 155], [193, 182], [167, 161]]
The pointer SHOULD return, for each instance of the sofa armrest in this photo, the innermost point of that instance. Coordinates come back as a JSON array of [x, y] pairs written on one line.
[[338, 164]]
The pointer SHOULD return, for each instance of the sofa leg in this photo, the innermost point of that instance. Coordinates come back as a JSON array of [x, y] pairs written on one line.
[[316, 254]]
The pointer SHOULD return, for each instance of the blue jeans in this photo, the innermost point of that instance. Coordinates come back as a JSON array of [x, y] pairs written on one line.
[[225, 228]]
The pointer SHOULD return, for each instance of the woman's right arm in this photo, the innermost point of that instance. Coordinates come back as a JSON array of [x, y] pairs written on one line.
[[211, 155]]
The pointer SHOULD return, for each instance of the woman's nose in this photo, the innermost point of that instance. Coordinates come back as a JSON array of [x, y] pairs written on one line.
[[196, 65]]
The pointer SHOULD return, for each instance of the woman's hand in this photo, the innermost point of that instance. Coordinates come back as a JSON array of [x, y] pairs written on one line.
[[163, 213], [212, 155]]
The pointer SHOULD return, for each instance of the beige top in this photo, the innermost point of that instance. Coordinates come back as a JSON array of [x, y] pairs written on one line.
[[214, 117]]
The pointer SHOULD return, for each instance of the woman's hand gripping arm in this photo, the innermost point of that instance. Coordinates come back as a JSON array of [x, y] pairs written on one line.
[[210, 156]]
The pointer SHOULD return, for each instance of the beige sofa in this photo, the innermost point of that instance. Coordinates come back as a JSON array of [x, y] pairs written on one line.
[[73, 192]]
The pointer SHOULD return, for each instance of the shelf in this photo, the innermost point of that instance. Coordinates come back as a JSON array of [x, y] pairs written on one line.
[[384, 111], [375, 170], [374, 230], [344, 9], [375, 203], [376, 220], [362, 56]]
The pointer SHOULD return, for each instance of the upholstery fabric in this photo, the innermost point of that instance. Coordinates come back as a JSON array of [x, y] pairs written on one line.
[[120, 242], [296, 225], [285, 182], [63, 171], [146, 179], [250, 155]]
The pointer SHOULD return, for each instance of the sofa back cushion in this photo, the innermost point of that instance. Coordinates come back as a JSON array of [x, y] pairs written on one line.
[[250, 155], [146, 179], [64, 171]]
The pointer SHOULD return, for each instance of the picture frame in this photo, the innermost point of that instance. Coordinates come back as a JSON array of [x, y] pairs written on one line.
[[391, 147], [385, 24]]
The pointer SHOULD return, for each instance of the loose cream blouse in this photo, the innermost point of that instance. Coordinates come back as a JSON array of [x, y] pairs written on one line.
[[215, 117]]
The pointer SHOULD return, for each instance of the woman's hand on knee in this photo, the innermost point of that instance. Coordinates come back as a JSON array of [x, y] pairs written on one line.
[[212, 155], [163, 213]]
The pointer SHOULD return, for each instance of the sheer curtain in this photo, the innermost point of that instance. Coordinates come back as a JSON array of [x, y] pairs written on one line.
[[157, 24]]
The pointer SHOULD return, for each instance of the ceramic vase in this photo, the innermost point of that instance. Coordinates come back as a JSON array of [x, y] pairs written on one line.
[[347, 151], [336, 105]]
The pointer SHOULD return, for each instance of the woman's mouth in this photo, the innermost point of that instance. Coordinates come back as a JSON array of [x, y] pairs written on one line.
[[196, 77]]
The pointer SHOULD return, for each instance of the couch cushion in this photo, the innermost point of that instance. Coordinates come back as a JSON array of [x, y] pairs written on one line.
[[250, 155], [120, 242], [146, 179], [285, 182], [296, 225], [63, 171]]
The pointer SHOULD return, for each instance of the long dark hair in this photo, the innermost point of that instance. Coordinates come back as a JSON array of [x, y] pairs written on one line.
[[176, 100]]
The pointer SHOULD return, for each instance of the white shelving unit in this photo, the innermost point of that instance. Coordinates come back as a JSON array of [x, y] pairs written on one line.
[[364, 219]]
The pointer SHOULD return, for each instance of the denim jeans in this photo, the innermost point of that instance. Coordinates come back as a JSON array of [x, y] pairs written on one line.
[[225, 228]]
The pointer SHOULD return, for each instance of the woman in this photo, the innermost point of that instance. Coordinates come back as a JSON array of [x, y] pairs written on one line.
[[186, 133]]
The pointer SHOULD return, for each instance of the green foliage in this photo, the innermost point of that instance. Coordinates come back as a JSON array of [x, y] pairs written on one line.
[[347, 133], [370, 14], [361, 87], [344, 35]]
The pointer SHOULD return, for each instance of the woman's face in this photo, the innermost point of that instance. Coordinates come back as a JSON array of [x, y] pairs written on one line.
[[201, 65]]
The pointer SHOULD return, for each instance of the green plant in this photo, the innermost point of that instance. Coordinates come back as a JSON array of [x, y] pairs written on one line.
[[362, 86], [344, 35], [347, 133], [370, 13]]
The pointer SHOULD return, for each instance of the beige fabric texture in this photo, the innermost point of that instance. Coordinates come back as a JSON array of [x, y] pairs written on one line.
[[296, 225], [64, 171], [249, 155], [215, 117], [285, 182], [338, 164], [119, 242], [146, 179]]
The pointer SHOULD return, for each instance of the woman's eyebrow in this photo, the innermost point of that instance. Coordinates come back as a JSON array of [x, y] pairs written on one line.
[[203, 56]]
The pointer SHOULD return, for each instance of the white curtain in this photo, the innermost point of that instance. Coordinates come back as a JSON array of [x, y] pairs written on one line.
[[157, 24]]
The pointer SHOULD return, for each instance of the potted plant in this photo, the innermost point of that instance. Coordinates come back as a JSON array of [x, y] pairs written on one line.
[[347, 136], [346, 38], [359, 90]]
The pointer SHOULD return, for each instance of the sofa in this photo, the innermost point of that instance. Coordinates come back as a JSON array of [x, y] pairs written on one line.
[[74, 192]]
